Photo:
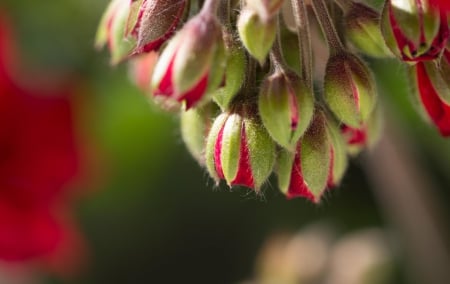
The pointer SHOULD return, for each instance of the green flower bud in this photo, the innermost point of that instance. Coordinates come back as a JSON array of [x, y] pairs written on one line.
[[339, 158], [112, 31], [349, 89], [195, 125], [234, 72], [266, 9], [362, 27], [286, 107], [240, 151], [305, 172], [256, 35]]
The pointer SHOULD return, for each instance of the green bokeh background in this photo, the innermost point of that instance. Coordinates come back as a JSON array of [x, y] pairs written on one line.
[[156, 217]]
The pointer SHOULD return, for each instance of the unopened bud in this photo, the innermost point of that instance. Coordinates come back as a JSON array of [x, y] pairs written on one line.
[[305, 172], [112, 31], [286, 107], [413, 30], [339, 158], [266, 9], [240, 151], [234, 75], [256, 35], [156, 21], [362, 27], [192, 64], [195, 125], [349, 89], [141, 69]]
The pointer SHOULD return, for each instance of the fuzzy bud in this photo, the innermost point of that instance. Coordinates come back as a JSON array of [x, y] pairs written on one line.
[[339, 158], [192, 64], [240, 151], [112, 31], [257, 35], [362, 27], [234, 75], [305, 172], [154, 22], [266, 9], [349, 89], [195, 125], [286, 107]]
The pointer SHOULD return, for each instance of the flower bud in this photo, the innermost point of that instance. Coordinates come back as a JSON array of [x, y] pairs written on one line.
[[112, 30], [442, 5], [362, 27], [305, 172], [349, 89], [195, 125], [256, 34], [141, 69], [240, 151], [192, 64], [286, 107], [431, 94], [365, 136], [156, 21], [234, 72], [266, 9], [413, 30], [339, 159]]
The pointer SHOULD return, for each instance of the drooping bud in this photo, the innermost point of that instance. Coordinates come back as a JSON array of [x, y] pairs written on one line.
[[192, 64], [256, 35], [112, 31], [413, 30], [141, 69], [286, 107], [305, 172], [266, 9], [240, 151], [154, 22], [431, 94], [195, 125], [339, 159], [365, 136], [362, 27], [234, 75], [349, 89]]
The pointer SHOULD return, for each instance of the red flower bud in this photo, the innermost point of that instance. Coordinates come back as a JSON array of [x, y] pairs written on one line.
[[442, 5], [240, 151], [193, 62], [414, 31], [156, 21], [437, 109]]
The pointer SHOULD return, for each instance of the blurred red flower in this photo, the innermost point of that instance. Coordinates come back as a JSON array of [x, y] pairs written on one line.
[[39, 156]]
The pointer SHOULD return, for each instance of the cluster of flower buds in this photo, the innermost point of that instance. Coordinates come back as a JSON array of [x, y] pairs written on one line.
[[247, 110]]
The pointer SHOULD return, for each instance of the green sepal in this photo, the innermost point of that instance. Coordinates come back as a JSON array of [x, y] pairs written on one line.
[[231, 146], [211, 144], [284, 169], [195, 124], [256, 35], [261, 150], [349, 89], [439, 79], [315, 156], [339, 148]]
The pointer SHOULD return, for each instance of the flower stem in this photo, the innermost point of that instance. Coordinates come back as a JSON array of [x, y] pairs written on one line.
[[304, 40], [276, 53], [344, 4], [210, 7], [323, 17]]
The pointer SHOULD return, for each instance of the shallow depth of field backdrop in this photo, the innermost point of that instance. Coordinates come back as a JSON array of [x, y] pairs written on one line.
[[150, 214]]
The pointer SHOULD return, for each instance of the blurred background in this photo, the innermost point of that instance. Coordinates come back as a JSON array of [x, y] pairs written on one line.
[[148, 213]]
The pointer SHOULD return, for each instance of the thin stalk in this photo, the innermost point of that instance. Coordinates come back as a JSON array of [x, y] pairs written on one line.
[[276, 53], [344, 4], [304, 40], [323, 17], [210, 7]]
